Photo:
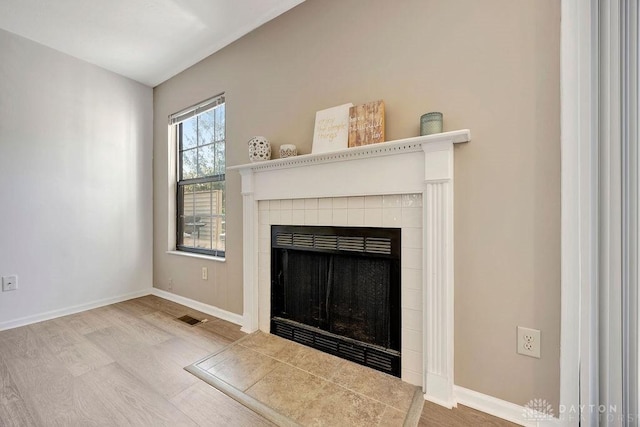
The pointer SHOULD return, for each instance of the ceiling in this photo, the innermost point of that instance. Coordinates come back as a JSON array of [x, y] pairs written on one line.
[[146, 40]]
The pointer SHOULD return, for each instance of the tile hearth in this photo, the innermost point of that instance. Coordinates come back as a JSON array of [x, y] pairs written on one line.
[[306, 386]]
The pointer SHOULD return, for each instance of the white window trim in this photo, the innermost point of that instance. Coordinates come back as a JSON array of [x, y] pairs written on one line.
[[172, 175]]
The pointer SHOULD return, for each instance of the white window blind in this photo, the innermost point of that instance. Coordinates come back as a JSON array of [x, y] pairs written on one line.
[[194, 110]]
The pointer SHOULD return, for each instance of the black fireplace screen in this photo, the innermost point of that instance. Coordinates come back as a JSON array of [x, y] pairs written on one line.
[[340, 282]]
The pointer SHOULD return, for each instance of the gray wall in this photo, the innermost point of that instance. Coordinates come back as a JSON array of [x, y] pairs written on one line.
[[76, 182], [491, 66]]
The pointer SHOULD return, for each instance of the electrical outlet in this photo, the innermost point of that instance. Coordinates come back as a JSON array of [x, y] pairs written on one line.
[[529, 342], [170, 287], [9, 283], [205, 273]]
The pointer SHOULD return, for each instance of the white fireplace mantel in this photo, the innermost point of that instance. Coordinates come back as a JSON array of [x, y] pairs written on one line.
[[420, 165]]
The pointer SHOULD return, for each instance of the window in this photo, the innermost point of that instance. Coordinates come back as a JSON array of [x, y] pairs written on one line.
[[200, 198]]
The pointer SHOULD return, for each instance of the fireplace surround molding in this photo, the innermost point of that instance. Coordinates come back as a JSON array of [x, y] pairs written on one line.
[[421, 165]]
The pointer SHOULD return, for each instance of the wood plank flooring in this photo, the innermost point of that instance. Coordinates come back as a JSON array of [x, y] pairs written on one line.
[[122, 365], [436, 416]]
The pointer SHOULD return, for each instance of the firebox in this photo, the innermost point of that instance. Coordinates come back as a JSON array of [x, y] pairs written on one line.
[[337, 289]]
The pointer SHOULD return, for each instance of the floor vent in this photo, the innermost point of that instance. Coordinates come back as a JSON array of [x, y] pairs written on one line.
[[188, 319]]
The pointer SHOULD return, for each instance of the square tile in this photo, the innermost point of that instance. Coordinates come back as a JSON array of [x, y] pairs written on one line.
[[311, 217], [412, 377], [356, 202], [340, 202], [375, 385], [217, 358], [264, 260], [298, 204], [412, 318], [392, 201], [325, 203], [274, 217], [411, 340], [274, 205], [412, 200], [298, 217], [411, 278], [340, 217], [412, 360], [392, 418], [286, 217], [263, 205], [412, 217], [264, 275], [287, 389], [311, 203], [315, 362], [373, 202], [264, 245], [411, 237], [243, 367], [271, 345], [411, 258], [373, 217], [264, 231], [411, 298], [337, 406], [286, 204], [263, 217], [355, 217], [325, 217], [392, 217]]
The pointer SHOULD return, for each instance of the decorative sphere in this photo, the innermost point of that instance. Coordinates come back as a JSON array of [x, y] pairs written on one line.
[[259, 149]]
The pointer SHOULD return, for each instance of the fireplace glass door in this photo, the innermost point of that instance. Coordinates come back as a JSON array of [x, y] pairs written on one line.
[[338, 289]]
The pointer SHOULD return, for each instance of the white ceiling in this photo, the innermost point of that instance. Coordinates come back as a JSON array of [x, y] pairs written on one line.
[[146, 40]]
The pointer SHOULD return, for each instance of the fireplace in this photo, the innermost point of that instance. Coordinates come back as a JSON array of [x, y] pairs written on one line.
[[337, 289], [368, 186]]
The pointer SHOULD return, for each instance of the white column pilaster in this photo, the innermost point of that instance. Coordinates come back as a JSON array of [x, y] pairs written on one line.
[[438, 273]]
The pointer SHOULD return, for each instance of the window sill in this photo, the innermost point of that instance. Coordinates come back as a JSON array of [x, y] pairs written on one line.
[[194, 255]]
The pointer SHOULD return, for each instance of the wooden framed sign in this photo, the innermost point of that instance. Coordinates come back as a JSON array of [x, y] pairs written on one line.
[[366, 124]]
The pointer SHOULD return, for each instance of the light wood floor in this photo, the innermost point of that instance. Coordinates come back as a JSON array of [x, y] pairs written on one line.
[[122, 365], [437, 416]]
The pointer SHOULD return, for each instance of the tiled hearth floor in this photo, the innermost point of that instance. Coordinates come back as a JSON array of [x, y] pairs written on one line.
[[308, 386]]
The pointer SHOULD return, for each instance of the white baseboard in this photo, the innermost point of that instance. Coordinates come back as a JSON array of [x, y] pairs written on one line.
[[205, 308], [438, 391], [35, 318], [498, 408], [196, 305]]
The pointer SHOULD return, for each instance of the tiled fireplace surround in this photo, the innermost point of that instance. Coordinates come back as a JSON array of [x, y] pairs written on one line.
[[405, 184], [396, 211]]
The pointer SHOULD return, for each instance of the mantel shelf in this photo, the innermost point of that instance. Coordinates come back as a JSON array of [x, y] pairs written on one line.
[[372, 150]]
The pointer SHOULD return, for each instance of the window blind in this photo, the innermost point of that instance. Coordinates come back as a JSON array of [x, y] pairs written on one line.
[[194, 110]]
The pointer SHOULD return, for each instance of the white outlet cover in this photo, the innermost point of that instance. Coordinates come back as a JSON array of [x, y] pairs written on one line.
[[9, 283], [528, 342]]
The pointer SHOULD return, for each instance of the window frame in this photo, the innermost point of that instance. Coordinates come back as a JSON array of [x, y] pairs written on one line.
[[177, 121]]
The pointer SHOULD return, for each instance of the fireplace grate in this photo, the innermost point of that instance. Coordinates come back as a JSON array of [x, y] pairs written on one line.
[[362, 244], [326, 242], [284, 239], [303, 240], [375, 357], [378, 245]]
